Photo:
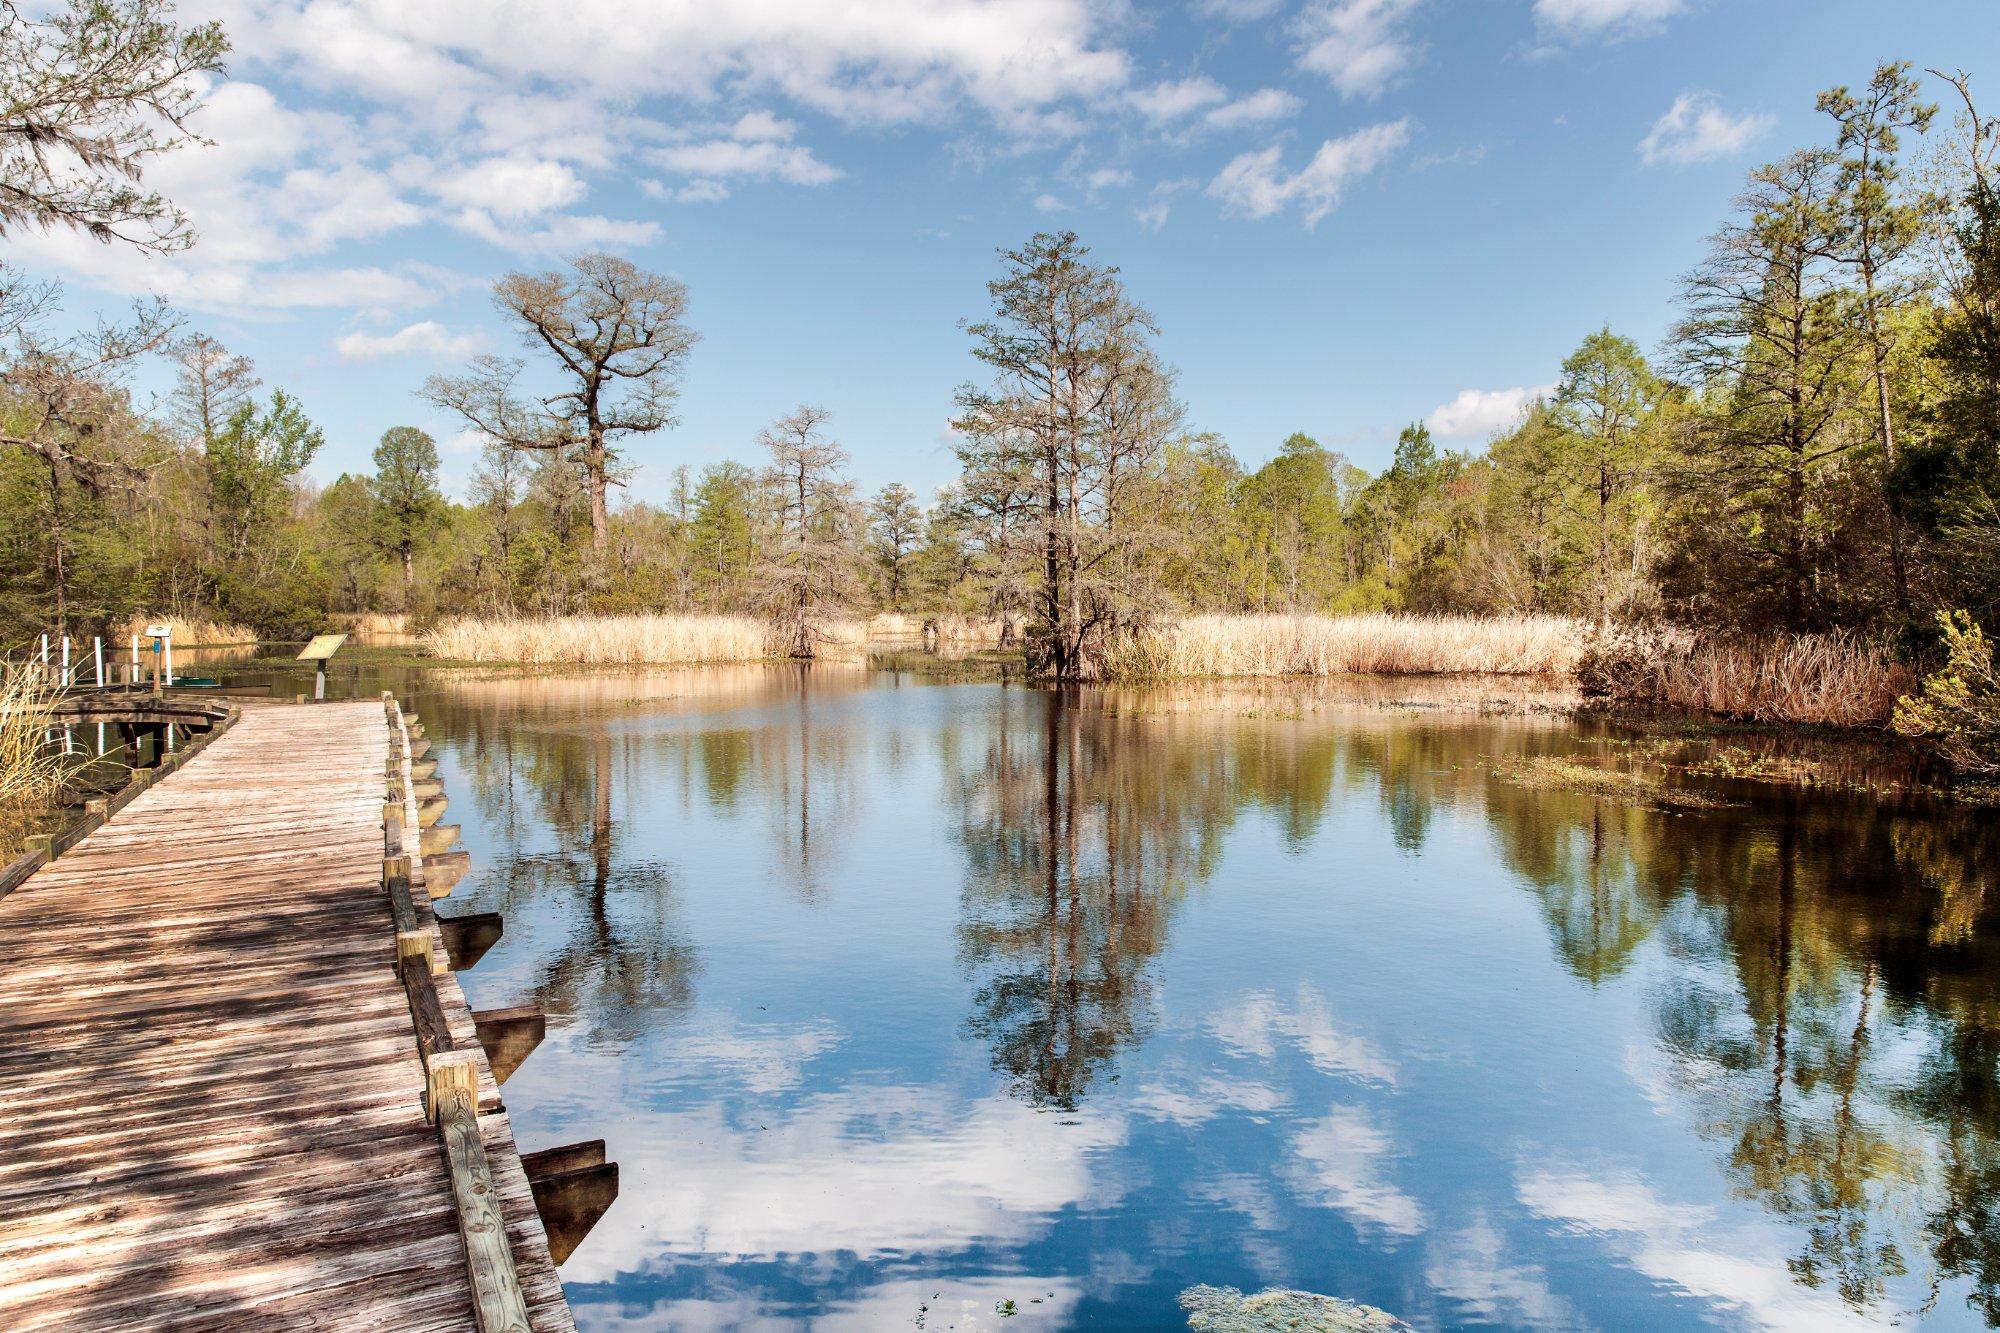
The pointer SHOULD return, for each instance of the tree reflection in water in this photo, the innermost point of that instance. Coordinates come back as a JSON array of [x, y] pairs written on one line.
[[1822, 974]]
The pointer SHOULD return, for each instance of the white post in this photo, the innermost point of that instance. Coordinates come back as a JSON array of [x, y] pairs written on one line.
[[45, 656], [65, 661], [135, 660], [167, 644], [97, 654], [100, 740]]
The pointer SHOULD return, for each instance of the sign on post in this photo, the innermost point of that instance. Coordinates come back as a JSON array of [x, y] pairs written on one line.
[[322, 647]]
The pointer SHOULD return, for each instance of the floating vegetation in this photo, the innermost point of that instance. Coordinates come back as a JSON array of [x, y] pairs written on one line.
[[1227, 1310], [1626, 786]]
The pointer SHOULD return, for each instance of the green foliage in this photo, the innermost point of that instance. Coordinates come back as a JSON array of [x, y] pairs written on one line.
[[1957, 716], [251, 464], [409, 507]]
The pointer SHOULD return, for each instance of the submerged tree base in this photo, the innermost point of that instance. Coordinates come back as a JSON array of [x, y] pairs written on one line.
[[1227, 1310]]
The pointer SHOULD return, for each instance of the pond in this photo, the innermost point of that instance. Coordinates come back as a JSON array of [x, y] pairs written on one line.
[[906, 1004]]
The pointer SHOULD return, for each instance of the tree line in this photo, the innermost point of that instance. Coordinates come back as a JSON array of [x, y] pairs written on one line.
[[1815, 445]]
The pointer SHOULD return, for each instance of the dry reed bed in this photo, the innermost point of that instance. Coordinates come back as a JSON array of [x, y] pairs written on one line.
[[629, 640], [1369, 644], [373, 622], [189, 630], [951, 627], [31, 772], [1832, 679]]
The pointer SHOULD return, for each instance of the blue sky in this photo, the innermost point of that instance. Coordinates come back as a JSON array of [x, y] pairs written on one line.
[[1346, 214]]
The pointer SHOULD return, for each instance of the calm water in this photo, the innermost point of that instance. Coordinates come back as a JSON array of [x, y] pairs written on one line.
[[897, 1000]]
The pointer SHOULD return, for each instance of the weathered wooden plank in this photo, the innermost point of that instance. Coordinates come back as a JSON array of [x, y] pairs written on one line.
[[211, 1079]]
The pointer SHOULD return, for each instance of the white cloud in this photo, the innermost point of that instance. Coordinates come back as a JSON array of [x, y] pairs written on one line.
[[1481, 412], [498, 120], [1163, 103], [1237, 11], [1204, 102], [1258, 108], [559, 234], [758, 146], [1152, 215], [427, 337], [1256, 185], [512, 187], [1359, 45], [1604, 18], [1048, 203], [1106, 178], [1696, 128], [889, 62]]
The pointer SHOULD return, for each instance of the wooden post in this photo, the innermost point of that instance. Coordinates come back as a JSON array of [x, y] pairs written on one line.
[[497, 1303]]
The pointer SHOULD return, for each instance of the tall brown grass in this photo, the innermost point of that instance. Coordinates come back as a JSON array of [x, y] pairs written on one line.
[[191, 630], [630, 640], [31, 772], [373, 622], [1375, 643], [1835, 679], [950, 627]]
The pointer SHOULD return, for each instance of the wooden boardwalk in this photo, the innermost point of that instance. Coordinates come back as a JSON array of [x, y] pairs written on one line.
[[210, 1088]]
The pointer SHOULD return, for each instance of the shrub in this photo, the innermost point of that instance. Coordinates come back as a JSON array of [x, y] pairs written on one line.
[[1957, 717]]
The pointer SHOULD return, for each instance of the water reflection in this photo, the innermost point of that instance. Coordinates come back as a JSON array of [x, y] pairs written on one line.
[[900, 1001]]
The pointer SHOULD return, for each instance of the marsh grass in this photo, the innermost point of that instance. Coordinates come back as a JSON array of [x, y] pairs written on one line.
[[1834, 679], [633, 640], [1368, 644], [190, 631], [32, 773], [373, 622]]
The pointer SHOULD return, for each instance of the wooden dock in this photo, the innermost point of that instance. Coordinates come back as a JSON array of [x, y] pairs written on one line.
[[212, 1097]]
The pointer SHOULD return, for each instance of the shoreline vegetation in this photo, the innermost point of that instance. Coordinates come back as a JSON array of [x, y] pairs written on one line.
[[1836, 680]]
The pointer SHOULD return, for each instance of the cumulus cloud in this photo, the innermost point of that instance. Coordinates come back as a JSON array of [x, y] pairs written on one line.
[[890, 62], [496, 120], [758, 146], [1604, 18], [426, 337], [1359, 45], [512, 187], [1257, 184], [1480, 412], [1696, 128]]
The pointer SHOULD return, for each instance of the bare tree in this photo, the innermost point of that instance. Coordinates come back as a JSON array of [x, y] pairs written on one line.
[[615, 333], [88, 97], [808, 574], [211, 384]]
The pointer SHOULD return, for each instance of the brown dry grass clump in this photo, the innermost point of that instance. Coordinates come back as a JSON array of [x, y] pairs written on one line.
[[1374, 643], [631, 640], [191, 630], [1835, 679], [31, 771]]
